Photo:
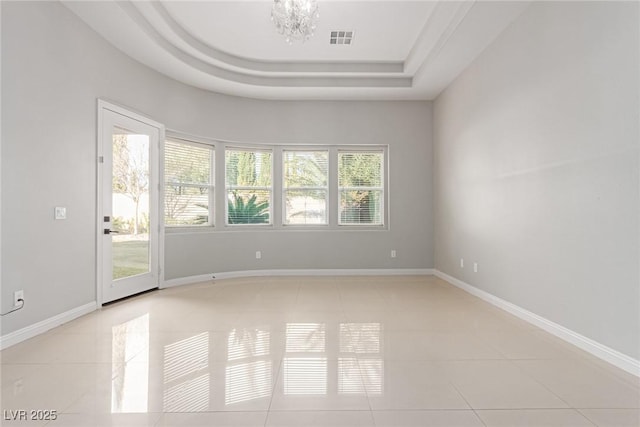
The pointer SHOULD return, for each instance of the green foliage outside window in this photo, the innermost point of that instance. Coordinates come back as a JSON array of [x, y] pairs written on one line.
[[248, 168], [360, 177], [248, 181], [250, 211]]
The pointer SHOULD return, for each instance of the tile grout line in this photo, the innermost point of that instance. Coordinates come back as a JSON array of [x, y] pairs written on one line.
[[467, 402], [273, 389]]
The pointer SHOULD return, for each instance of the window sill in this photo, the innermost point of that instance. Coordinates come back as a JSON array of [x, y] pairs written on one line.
[[271, 228]]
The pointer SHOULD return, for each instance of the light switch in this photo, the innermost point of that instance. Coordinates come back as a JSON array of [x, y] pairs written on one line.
[[61, 212]]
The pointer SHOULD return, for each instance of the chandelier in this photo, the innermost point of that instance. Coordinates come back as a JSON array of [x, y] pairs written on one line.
[[295, 19]]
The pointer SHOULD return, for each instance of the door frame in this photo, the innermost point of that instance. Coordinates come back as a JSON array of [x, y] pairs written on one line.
[[103, 106]]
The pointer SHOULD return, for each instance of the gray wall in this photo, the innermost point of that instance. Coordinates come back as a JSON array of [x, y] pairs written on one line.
[[536, 169], [53, 70]]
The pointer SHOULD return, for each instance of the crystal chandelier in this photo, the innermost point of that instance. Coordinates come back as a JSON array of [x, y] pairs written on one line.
[[295, 19]]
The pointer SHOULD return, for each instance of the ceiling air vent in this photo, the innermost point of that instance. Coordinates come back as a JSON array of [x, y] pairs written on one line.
[[341, 37]]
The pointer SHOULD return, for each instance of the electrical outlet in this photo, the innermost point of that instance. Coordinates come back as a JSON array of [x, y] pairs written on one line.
[[18, 295], [475, 267], [461, 262], [258, 255], [393, 253], [60, 212]]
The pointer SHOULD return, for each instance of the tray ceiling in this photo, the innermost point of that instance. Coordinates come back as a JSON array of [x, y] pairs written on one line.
[[404, 50]]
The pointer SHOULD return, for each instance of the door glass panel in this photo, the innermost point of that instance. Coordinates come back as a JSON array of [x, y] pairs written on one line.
[[130, 204]]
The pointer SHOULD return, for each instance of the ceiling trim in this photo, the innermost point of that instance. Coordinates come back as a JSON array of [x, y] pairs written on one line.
[[434, 34], [262, 78], [453, 34], [229, 59]]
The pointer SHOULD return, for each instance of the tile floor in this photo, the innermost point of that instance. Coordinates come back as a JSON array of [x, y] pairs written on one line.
[[310, 351]]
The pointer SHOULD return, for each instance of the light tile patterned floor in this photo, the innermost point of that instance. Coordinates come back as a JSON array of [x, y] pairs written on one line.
[[311, 351]]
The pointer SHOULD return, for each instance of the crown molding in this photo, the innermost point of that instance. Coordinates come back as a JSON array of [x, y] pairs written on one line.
[[177, 34], [252, 76]]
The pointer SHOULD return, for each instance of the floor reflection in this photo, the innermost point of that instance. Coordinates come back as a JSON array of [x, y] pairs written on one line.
[[306, 369], [305, 337], [248, 374], [320, 358], [349, 376], [243, 343], [189, 396], [365, 340], [305, 375], [185, 357], [372, 371], [130, 381], [247, 381], [186, 376], [361, 338]]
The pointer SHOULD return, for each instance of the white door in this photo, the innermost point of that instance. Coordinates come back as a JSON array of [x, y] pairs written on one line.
[[129, 220]]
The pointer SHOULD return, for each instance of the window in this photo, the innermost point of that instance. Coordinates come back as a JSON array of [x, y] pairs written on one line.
[[322, 187], [360, 187], [248, 180], [189, 190], [305, 187]]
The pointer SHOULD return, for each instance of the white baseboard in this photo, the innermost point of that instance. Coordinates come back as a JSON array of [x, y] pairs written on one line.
[[597, 349], [43, 326], [299, 272], [188, 280], [601, 351]]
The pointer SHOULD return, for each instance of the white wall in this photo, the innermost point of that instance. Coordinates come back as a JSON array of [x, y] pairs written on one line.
[[54, 68], [536, 169]]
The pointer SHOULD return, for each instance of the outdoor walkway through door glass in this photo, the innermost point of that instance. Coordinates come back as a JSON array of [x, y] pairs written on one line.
[[130, 208]]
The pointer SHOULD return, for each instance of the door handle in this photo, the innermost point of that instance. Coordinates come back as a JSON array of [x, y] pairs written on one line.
[[107, 231]]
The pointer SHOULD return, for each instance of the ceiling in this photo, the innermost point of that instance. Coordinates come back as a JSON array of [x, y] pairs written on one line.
[[401, 50]]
